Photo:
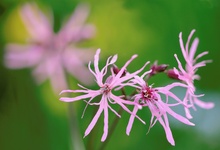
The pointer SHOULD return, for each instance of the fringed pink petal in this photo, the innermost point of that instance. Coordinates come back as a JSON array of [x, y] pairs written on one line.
[[201, 64], [193, 49], [66, 91], [115, 112], [184, 52], [188, 41], [96, 61], [179, 65], [201, 55], [187, 112], [96, 117], [169, 134], [179, 117], [131, 120], [205, 105], [81, 97], [105, 131]]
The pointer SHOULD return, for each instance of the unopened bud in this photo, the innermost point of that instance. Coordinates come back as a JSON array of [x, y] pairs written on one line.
[[161, 68], [172, 74], [116, 70], [158, 68]]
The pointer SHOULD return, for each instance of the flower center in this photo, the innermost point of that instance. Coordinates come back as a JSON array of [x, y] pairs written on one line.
[[147, 95], [105, 89]]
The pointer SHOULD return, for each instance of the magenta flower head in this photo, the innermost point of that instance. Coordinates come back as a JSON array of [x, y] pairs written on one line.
[[151, 97], [188, 75], [105, 90], [49, 53]]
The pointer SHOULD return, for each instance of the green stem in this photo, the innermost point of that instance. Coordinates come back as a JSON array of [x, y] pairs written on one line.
[[77, 143], [90, 142]]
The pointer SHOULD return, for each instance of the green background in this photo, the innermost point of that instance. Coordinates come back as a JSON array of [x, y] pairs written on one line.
[[32, 117]]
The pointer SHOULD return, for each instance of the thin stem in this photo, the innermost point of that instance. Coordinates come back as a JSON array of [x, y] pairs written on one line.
[[90, 142], [114, 124], [77, 143]]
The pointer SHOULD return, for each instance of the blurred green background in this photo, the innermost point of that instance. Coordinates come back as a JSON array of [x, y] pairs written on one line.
[[32, 117]]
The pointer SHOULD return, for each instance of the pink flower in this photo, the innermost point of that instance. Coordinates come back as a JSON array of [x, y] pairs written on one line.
[[151, 97], [49, 53], [105, 90], [188, 75]]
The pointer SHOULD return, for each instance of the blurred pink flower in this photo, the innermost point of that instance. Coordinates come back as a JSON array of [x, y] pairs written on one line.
[[105, 90], [49, 53], [151, 98], [188, 75]]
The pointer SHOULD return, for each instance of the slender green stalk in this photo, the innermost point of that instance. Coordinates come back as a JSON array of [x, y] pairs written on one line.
[[91, 138], [77, 143]]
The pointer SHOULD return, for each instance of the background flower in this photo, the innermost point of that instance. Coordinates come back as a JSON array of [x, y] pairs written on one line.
[[49, 53]]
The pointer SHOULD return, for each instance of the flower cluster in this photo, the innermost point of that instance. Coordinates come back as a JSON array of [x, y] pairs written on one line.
[[50, 53], [144, 95]]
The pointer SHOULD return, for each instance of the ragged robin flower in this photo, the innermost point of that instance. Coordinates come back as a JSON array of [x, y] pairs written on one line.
[[188, 75], [152, 98]]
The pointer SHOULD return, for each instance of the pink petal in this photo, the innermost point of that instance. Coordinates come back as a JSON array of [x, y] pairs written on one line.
[[131, 120], [205, 105], [21, 56], [87, 32], [188, 114], [187, 43], [201, 64], [58, 79], [38, 25], [179, 117], [68, 91], [74, 29], [201, 55], [111, 60], [193, 49], [81, 97], [184, 52], [96, 117], [96, 62], [179, 65], [124, 67], [105, 133], [115, 112], [168, 93], [167, 130]]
